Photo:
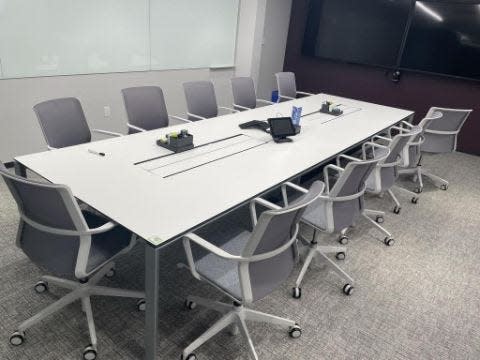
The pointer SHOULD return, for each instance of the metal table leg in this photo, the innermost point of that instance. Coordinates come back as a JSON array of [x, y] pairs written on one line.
[[151, 298]]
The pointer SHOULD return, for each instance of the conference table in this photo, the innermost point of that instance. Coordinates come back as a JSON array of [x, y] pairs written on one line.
[[160, 195]]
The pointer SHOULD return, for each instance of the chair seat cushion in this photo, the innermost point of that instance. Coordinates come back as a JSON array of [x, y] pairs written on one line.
[[105, 245], [221, 272]]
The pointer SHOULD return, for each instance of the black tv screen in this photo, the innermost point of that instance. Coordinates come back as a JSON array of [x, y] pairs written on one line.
[[444, 38], [357, 31]]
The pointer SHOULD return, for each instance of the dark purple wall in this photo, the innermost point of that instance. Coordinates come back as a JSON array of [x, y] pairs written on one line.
[[415, 92]]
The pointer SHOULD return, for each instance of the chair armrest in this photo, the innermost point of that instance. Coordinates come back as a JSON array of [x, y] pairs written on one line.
[[338, 169], [130, 126], [383, 138], [228, 109], [105, 132], [67, 232], [263, 202], [265, 101], [241, 107], [347, 157], [196, 116], [294, 187], [406, 123], [441, 132], [179, 118], [372, 145], [305, 93]]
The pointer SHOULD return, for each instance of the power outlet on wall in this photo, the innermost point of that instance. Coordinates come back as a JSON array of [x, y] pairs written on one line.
[[107, 111]]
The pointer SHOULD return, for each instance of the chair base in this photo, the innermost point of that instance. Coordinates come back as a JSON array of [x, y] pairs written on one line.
[[379, 218], [320, 252], [234, 316], [419, 172], [82, 292]]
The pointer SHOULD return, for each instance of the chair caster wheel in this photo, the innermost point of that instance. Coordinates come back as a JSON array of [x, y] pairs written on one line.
[[418, 190], [17, 338], [347, 289], [397, 209], [295, 332], [141, 305], [341, 256], [189, 357], [379, 219], [296, 293], [110, 273], [389, 241], [444, 187], [89, 353], [190, 305], [41, 287], [414, 200], [343, 240]]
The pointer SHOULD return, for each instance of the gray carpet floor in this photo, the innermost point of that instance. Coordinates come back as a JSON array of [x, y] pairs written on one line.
[[419, 299]]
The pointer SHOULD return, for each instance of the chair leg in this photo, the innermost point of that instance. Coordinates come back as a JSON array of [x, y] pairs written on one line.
[[212, 305], [257, 316], [378, 226], [91, 323], [305, 266], [438, 181], [245, 332], [101, 273], [335, 267], [63, 283], [49, 310], [411, 193], [106, 291], [395, 200], [221, 324]]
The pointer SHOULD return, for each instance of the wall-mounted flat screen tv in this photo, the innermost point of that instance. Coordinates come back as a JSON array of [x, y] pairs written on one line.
[[444, 38], [356, 31], [441, 37]]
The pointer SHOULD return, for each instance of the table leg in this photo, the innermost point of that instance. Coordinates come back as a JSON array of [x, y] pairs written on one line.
[[152, 274], [20, 170]]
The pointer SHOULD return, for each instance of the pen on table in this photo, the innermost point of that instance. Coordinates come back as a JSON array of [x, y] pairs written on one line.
[[96, 152]]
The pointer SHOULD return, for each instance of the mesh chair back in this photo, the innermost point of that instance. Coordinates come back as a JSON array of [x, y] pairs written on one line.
[[286, 84], [145, 106], [52, 206], [414, 153], [63, 122], [201, 99], [451, 121], [275, 229], [351, 182], [243, 90]]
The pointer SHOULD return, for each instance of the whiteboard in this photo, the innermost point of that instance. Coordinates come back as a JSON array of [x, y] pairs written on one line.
[[189, 33], [63, 37]]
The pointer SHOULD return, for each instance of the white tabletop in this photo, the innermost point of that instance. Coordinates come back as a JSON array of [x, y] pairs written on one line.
[[162, 199]]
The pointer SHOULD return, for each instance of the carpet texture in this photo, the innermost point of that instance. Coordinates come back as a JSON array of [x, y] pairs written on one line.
[[419, 299]]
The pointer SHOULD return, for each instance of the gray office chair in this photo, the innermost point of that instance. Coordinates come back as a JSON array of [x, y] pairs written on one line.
[[335, 211], [61, 239], [412, 154], [287, 87], [146, 109], [244, 95], [63, 123], [382, 179], [248, 267], [440, 132], [202, 101]]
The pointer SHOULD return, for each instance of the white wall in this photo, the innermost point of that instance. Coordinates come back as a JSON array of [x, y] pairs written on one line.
[[19, 130]]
